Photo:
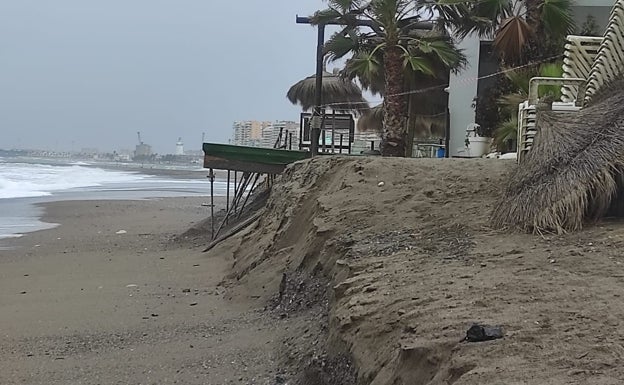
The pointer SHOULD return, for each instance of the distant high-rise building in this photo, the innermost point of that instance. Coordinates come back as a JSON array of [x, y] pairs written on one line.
[[248, 133], [289, 130]]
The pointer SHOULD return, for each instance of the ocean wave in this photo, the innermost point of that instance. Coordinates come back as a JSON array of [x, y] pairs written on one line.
[[21, 180]]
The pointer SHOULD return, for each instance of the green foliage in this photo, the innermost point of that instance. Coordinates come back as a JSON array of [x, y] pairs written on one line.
[[392, 22], [551, 70], [556, 17], [506, 134]]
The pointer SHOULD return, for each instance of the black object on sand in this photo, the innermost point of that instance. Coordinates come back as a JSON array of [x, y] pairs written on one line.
[[480, 333]]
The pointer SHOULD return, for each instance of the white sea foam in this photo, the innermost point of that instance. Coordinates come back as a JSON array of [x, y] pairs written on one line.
[[35, 182], [20, 180]]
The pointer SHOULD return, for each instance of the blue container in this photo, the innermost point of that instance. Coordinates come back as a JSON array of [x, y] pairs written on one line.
[[441, 152]]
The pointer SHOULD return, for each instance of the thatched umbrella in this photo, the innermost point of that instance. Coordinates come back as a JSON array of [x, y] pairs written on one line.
[[339, 94], [573, 173]]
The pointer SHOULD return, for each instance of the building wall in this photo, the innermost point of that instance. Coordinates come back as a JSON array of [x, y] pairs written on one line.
[[271, 132], [462, 90], [252, 133], [256, 130], [595, 3]]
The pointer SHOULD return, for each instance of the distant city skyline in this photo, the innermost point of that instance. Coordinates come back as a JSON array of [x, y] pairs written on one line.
[[255, 133], [78, 74]]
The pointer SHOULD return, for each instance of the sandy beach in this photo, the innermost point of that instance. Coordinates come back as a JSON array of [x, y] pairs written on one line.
[[109, 297], [341, 280]]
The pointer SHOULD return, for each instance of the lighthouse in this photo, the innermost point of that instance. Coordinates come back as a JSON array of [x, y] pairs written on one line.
[[179, 147]]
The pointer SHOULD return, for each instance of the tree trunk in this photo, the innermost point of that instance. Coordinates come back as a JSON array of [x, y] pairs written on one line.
[[394, 135], [532, 13], [411, 126], [538, 41]]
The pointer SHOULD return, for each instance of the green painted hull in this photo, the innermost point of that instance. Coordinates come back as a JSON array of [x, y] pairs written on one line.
[[226, 156]]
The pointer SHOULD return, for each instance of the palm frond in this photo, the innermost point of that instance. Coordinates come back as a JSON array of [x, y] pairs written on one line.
[[512, 37], [341, 44], [384, 11], [344, 6], [325, 16], [556, 15], [420, 64], [507, 131], [445, 50], [365, 64]]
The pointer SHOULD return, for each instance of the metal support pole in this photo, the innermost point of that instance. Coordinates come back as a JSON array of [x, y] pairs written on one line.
[[235, 190], [242, 185], [227, 192], [241, 190], [315, 125], [447, 134], [341, 143], [212, 177], [333, 132], [253, 185]]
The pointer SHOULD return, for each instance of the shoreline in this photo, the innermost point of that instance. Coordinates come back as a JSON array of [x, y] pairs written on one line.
[[20, 215], [108, 286]]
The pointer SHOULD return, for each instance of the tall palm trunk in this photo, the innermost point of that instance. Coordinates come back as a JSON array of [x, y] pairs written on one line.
[[537, 43], [394, 136], [532, 13]]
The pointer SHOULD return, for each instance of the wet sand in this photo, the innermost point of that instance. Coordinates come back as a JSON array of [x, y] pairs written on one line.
[[108, 297]]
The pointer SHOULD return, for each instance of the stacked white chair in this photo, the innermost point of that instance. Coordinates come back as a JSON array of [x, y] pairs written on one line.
[[609, 62], [589, 63]]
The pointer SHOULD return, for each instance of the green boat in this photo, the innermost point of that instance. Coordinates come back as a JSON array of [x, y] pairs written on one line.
[[249, 159]]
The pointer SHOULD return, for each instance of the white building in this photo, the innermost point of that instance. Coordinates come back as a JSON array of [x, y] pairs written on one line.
[[289, 130], [179, 147], [465, 86]]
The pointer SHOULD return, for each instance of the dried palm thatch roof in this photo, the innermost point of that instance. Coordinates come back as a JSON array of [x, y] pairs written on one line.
[[338, 93], [574, 172]]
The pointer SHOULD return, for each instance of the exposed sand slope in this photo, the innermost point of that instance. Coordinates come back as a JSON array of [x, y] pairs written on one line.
[[410, 265]]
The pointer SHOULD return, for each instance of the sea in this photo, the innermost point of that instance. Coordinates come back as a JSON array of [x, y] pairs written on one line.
[[27, 182]]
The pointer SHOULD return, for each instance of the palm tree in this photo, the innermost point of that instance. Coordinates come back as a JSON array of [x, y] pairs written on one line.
[[386, 52], [523, 30], [425, 96]]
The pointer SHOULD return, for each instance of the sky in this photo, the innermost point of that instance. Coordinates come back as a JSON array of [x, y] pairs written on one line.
[[92, 73]]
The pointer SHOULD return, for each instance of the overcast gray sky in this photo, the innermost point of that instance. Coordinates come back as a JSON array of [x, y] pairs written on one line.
[[91, 73]]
